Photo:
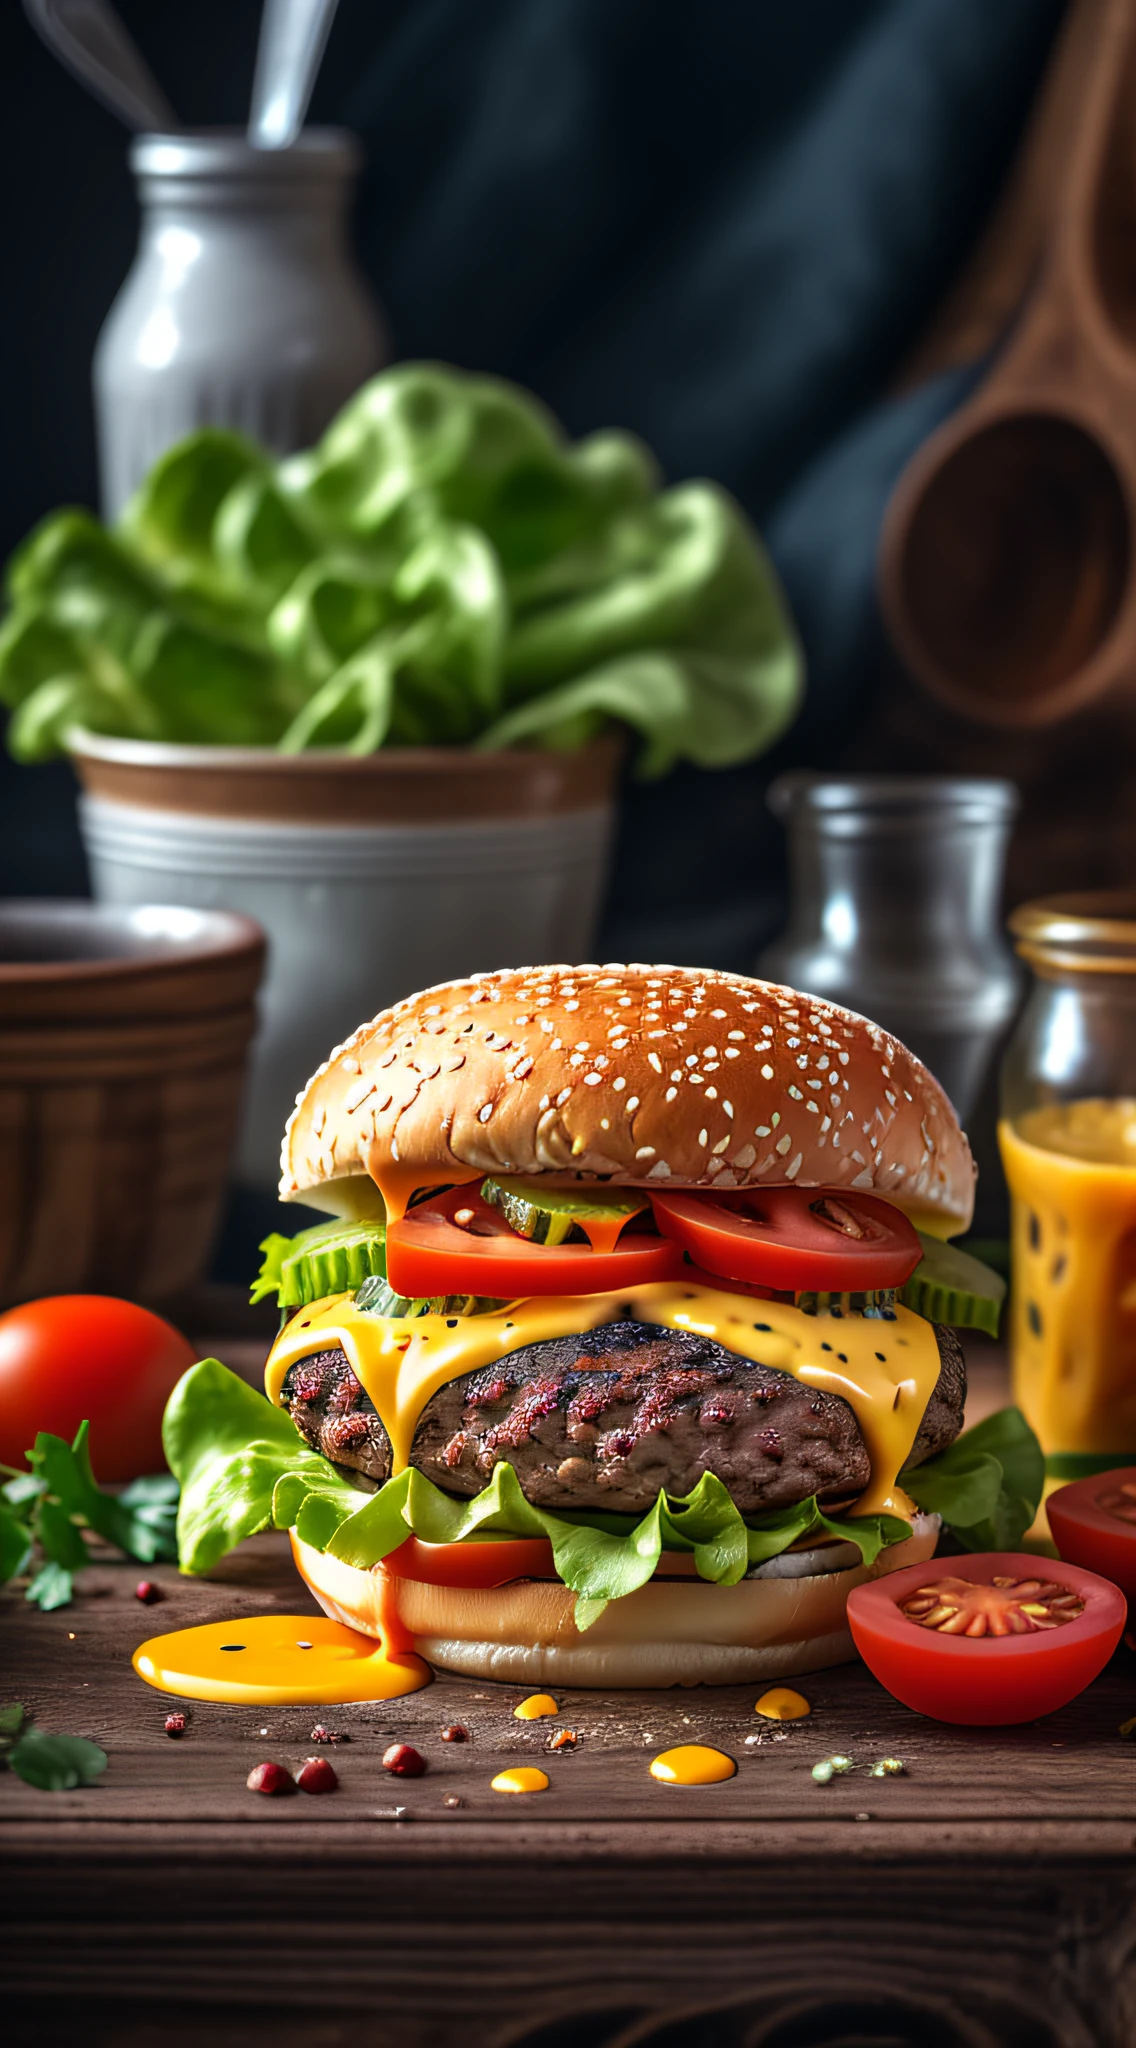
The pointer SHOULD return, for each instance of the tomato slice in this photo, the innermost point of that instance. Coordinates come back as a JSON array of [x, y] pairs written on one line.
[[455, 1243], [1093, 1523], [1049, 1629], [794, 1238], [472, 1564]]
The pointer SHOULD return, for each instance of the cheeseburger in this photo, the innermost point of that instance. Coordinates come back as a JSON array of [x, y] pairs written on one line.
[[629, 1352]]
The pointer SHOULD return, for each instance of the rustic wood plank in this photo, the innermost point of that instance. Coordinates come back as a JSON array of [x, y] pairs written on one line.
[[985, 1900]]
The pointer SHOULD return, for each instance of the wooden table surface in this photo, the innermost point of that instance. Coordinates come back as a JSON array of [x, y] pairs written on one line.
[[987, 1899]]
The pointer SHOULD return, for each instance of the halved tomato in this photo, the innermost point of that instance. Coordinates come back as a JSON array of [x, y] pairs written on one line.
[[455, 1243], [794, 1238], [988, 1639], [1093, 1522]]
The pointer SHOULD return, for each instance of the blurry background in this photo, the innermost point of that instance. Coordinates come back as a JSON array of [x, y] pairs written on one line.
[[727, 227]]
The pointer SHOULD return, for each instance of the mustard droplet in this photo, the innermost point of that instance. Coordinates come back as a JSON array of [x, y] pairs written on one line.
[[692, 1763], [536, 1708], [523, 1778], [781, 1703]]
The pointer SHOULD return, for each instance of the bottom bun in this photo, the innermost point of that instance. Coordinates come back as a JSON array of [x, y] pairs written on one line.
[[787, 1618]]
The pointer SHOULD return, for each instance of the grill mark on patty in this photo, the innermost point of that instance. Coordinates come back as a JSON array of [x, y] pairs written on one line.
[[605, 1418]]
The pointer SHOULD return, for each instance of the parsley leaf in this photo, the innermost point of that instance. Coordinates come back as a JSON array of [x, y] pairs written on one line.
[[54, 1763], [52, 1505]]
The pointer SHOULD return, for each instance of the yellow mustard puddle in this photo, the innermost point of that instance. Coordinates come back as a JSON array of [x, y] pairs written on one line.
[[783, 1704], [692, 1763], [522, 1778], [1071, 1169], [536, 1708], [270, 1660], [885, 1369]]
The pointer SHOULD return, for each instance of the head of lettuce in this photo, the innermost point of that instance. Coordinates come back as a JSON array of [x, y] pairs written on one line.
[[444, 568]]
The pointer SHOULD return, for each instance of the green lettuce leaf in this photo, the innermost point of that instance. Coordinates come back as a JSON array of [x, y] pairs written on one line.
[[443, 568], [228, 1447], [986, 1485]]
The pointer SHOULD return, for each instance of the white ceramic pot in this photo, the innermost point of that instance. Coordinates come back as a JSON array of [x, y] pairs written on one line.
[[504, 865]]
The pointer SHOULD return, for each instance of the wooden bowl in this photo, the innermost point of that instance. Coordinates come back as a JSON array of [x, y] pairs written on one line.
[[124, 1036]]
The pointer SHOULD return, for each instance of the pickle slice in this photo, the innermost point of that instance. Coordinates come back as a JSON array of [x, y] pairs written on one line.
[[553, 1215], [867, 1301], [951, 1286], [330, 1258], [377, 1298]]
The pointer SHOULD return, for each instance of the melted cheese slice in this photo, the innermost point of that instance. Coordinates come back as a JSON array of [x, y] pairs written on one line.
[[886, 1371]]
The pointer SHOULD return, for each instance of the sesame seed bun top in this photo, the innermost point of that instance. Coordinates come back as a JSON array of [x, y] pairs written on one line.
[[665, 1075]]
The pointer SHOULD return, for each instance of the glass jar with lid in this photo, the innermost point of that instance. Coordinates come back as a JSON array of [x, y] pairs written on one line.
[[1068, 1141]]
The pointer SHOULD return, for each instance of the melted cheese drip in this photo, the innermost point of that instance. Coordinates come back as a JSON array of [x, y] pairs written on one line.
[[522, 1778], [693, 1763], [271, 1660], [886, 1371], [537, 1707]]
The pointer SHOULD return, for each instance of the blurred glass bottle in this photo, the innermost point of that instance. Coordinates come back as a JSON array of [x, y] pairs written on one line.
[[895, 911], [1068, 1139], [244, 307]]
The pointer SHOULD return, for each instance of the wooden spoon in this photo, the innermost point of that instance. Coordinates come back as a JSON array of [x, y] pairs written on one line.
[[1006, 573]]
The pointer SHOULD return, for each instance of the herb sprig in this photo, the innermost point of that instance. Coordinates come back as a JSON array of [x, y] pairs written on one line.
[[51, 1509], [53, 1763]]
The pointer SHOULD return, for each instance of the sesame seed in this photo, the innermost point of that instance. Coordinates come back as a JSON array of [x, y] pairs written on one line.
[[573, 1005], [775, 1118], [728, 1107], [660, 1171], [653, 1060], [353, 1067], [619, 1083], [736, 1034], [563, 1097], [485, 1112], [711, 1093], [745, 1157], [843, 1058], [645, 1152], [783, 1144], [704, 1137], [721, 1146], [632, 1103], [732, 1052], [670, 1094], [762, 1131], [795, 1093], [592, 1080], [767, 1073], [605, 1124]]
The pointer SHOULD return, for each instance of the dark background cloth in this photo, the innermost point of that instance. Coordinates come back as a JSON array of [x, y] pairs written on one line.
[[723, 225]]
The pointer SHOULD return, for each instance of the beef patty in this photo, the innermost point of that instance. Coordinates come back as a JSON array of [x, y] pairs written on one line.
[[605, 1418]]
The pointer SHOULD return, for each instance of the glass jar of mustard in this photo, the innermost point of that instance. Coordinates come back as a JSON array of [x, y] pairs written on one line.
[[1068, 1142]]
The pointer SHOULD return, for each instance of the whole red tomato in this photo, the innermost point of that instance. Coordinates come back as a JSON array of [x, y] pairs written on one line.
[[72, 1357]]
